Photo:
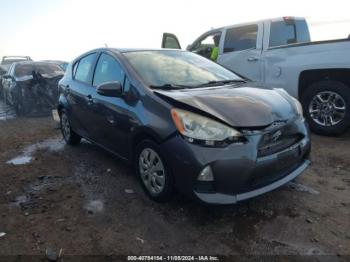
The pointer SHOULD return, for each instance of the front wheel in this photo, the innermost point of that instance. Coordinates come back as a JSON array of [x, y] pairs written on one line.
[[69, 135], [153, 172], [327, 107]]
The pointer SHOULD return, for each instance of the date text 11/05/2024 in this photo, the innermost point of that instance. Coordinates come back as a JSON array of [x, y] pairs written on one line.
[[173, 258]]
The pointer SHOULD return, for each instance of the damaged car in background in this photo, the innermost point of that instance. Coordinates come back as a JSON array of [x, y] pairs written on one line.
[[7, 61], [3, 71], [31, 87], [184, 122]]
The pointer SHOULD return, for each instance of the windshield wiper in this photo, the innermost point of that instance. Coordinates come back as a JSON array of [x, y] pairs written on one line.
[[222, 82], [168, 86], [210, 83]]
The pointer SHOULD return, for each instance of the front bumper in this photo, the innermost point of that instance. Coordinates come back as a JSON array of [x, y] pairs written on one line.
[[224, 199], [240, 172]]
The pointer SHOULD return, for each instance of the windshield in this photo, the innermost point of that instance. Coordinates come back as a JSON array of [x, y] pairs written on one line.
[[45, 69], [177, 68]]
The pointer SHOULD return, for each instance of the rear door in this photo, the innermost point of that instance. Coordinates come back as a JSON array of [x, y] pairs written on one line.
[[79, 94], [241, 50]]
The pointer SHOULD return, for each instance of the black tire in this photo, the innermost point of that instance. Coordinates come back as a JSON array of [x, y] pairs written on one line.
[[69, 135], [168, 189], [335, 87]]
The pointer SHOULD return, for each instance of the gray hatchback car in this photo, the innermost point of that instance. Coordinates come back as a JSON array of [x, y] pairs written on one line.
[[185, 123]]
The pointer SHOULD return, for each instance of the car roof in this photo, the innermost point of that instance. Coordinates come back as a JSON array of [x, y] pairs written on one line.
[[34, 63], [126, 50]]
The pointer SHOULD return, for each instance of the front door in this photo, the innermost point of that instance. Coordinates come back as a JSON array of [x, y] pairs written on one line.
[[110, 115], [170, 41], [241, 50]]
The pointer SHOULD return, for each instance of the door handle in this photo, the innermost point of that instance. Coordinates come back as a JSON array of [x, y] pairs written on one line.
[[89, 100], [252, 59]]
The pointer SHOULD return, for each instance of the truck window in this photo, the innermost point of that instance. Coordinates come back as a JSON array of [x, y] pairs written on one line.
[[241, 38], [282, 33], [205, 45]]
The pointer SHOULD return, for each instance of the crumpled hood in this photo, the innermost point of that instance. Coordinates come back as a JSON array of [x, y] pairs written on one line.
[[243, 106]]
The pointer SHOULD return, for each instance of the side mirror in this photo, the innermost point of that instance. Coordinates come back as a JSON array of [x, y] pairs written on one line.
[[113, 89], [6, 76]]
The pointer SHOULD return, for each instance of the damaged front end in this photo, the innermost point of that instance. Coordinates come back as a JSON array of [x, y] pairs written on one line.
[[36, 94]]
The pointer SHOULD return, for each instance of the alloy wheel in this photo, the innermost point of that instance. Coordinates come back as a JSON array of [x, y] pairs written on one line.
[[327, 108]]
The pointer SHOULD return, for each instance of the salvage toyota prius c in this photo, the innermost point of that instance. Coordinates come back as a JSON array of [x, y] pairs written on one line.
[[185, 123]]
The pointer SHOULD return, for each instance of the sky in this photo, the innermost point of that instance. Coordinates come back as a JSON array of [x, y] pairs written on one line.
[[64, 29]]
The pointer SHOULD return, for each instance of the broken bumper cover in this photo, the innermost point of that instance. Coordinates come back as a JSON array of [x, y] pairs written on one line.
[[225, 199], [239, 170]]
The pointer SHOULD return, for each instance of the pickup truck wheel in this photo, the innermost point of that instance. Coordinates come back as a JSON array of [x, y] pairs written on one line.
[[69, 135], [153, 171], [327, 107]]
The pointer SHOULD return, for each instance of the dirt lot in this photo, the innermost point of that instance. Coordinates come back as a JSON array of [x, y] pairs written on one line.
[[82, 200]]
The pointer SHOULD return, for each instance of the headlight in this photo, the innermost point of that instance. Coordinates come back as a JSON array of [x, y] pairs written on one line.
[[298, 107], [202, 129]]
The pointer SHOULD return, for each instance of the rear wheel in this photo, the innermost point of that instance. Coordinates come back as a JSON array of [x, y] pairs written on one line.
[[69, 135], [327, 107], [153, 172]]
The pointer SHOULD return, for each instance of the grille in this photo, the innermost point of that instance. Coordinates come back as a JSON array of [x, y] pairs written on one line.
[[276, 141]]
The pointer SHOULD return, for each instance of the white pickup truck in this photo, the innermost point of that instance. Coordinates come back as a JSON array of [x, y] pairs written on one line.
[[279, 53]]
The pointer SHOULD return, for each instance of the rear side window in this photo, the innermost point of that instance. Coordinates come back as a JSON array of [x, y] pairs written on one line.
[[282, 33], [241, 38], [108, 70], [83, 68]]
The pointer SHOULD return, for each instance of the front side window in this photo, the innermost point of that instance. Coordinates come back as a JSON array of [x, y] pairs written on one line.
[[108, 70], [83, 68], [205, 46], [241, 38], [176, 68]]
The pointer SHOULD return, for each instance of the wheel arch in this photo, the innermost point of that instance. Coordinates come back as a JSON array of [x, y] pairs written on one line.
[[307, 77], [62, 103], [141, 135]]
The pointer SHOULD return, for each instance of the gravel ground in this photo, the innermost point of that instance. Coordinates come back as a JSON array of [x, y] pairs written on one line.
[[83, 201]]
